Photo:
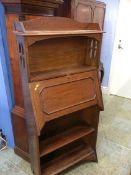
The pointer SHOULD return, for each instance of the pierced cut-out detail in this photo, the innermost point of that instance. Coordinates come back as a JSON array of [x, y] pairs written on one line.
[[92, 43], [91, 48], [23, 62], [21, 52], [95, 48], [21, 59], [19, 48], [94, 53], [96, 43], [22, 49], [91, 53]]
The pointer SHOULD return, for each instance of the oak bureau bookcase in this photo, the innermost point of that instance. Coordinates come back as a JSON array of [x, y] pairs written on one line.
[[59, 61], [21, 10]]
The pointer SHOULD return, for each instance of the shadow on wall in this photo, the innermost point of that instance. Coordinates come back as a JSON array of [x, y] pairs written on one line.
[[6, 102]]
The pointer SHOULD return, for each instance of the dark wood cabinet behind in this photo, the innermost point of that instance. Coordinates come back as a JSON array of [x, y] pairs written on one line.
[[88, 11]]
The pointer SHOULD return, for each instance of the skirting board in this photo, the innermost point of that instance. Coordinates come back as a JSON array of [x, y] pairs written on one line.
[[105, 90]]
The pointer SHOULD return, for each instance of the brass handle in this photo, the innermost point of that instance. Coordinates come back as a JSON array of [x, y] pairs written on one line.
[[36, 87]]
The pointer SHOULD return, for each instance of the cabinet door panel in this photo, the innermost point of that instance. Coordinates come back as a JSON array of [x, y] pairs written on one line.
[[99, 13], [83, 11], [88, 11]]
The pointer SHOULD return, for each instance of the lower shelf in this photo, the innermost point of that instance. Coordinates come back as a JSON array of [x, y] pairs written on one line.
[[64, 138], [68, 158]]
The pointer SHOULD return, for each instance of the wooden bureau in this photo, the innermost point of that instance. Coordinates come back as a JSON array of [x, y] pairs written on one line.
[[59, 61], [19, 10]]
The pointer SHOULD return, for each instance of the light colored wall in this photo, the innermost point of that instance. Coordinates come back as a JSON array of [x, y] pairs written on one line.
[[112, 7]]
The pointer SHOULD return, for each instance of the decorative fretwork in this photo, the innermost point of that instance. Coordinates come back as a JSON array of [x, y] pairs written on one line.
[[21, 52], [93, 48]]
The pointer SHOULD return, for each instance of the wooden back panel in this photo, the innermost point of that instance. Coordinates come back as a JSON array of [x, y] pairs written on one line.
[[57, 53]]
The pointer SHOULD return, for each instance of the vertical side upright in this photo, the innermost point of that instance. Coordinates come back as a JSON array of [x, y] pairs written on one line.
[[29, 114]]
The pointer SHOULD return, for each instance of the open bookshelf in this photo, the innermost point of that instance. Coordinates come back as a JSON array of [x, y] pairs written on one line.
[[55, 142], [66, 158]]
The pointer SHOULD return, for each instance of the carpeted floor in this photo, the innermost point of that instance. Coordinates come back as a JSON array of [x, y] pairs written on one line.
[[113, 145]]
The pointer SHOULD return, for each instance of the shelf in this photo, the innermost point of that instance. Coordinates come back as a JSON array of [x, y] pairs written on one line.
[[62, 139], [68, 158], [60, 72], [59, 33]]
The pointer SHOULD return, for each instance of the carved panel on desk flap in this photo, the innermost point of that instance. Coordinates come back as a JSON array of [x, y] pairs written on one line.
[[67, 95]]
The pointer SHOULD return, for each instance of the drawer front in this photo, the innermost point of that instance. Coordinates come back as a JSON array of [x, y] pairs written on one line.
[[66, 95]]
